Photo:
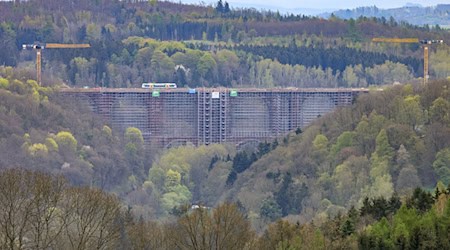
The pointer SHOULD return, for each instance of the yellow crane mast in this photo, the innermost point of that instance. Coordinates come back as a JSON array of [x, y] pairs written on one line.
[[425, 45], [40, 47]]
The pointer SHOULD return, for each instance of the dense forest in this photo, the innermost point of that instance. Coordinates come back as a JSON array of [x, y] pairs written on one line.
[[387, 143], [157, 41], [42, 211], [373, 175]]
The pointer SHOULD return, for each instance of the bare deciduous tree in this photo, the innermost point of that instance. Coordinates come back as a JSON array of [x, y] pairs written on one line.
[[223, 228], [90, 219]]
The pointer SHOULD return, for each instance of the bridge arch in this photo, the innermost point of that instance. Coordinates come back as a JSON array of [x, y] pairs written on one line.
[[129, 111], [316, 105]]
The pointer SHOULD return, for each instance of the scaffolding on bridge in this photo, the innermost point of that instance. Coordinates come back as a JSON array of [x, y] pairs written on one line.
[[212, 115]]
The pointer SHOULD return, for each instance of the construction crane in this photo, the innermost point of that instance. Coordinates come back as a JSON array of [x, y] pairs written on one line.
[[39, 47], [425, 45]]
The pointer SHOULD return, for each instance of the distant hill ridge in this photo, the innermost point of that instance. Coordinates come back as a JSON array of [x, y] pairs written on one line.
[[413, 14]]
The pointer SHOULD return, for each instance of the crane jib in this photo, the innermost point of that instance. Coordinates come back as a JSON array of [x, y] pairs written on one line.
[[38, 47]]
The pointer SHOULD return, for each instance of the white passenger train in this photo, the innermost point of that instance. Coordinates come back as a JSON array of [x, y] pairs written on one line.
[[159, 85]]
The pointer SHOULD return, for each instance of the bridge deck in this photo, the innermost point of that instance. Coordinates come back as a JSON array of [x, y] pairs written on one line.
[[240, 90]]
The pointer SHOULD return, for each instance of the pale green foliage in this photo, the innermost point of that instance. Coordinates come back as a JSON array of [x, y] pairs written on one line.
[[383, 149], [51, 144], [162, 66], [131, 149], [33, 84], [134, 135], [66, 139], [403, 156], [125, 57], [38, 149], [408, 89], [180, 58], [106, 131], [148, 186], [228, 63], [376, 122], [408, 178], [192, 58], [85, 70], [268, 73], [171, 47], [131, 26], [35, 96], [381, 180], [134, 150], [349, 77], [18, 86], [157, 176], [380, 229], [410, 112], [442, 165], [182, 159], [406, 216], [440, 186], [110, 28], [354, 76], [320, 142], [440, 111], [4, 83], [362, 135], [380, 166], [143, 57], [83, 16], [206, 65], [132, 180], [179, 196], [174, 160], [439, 64], [350, 178], [382, 156], [182, 169], [92, 31], [343, 177], [389, 72], [26, 137], [241, 36], [367, 130], [320, 146], [344, 140], [141, 41], [173, 179]]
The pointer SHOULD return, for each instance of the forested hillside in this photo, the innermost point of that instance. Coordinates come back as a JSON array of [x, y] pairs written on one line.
[[38, 131], [144, 41], [390, 141], [43, 211], [417, 15], [348, 180]]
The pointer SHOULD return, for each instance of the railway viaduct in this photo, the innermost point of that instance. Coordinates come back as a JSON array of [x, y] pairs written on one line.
[[171, 117]]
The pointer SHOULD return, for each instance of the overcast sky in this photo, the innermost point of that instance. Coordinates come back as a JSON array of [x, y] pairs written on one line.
[[322, 4]]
